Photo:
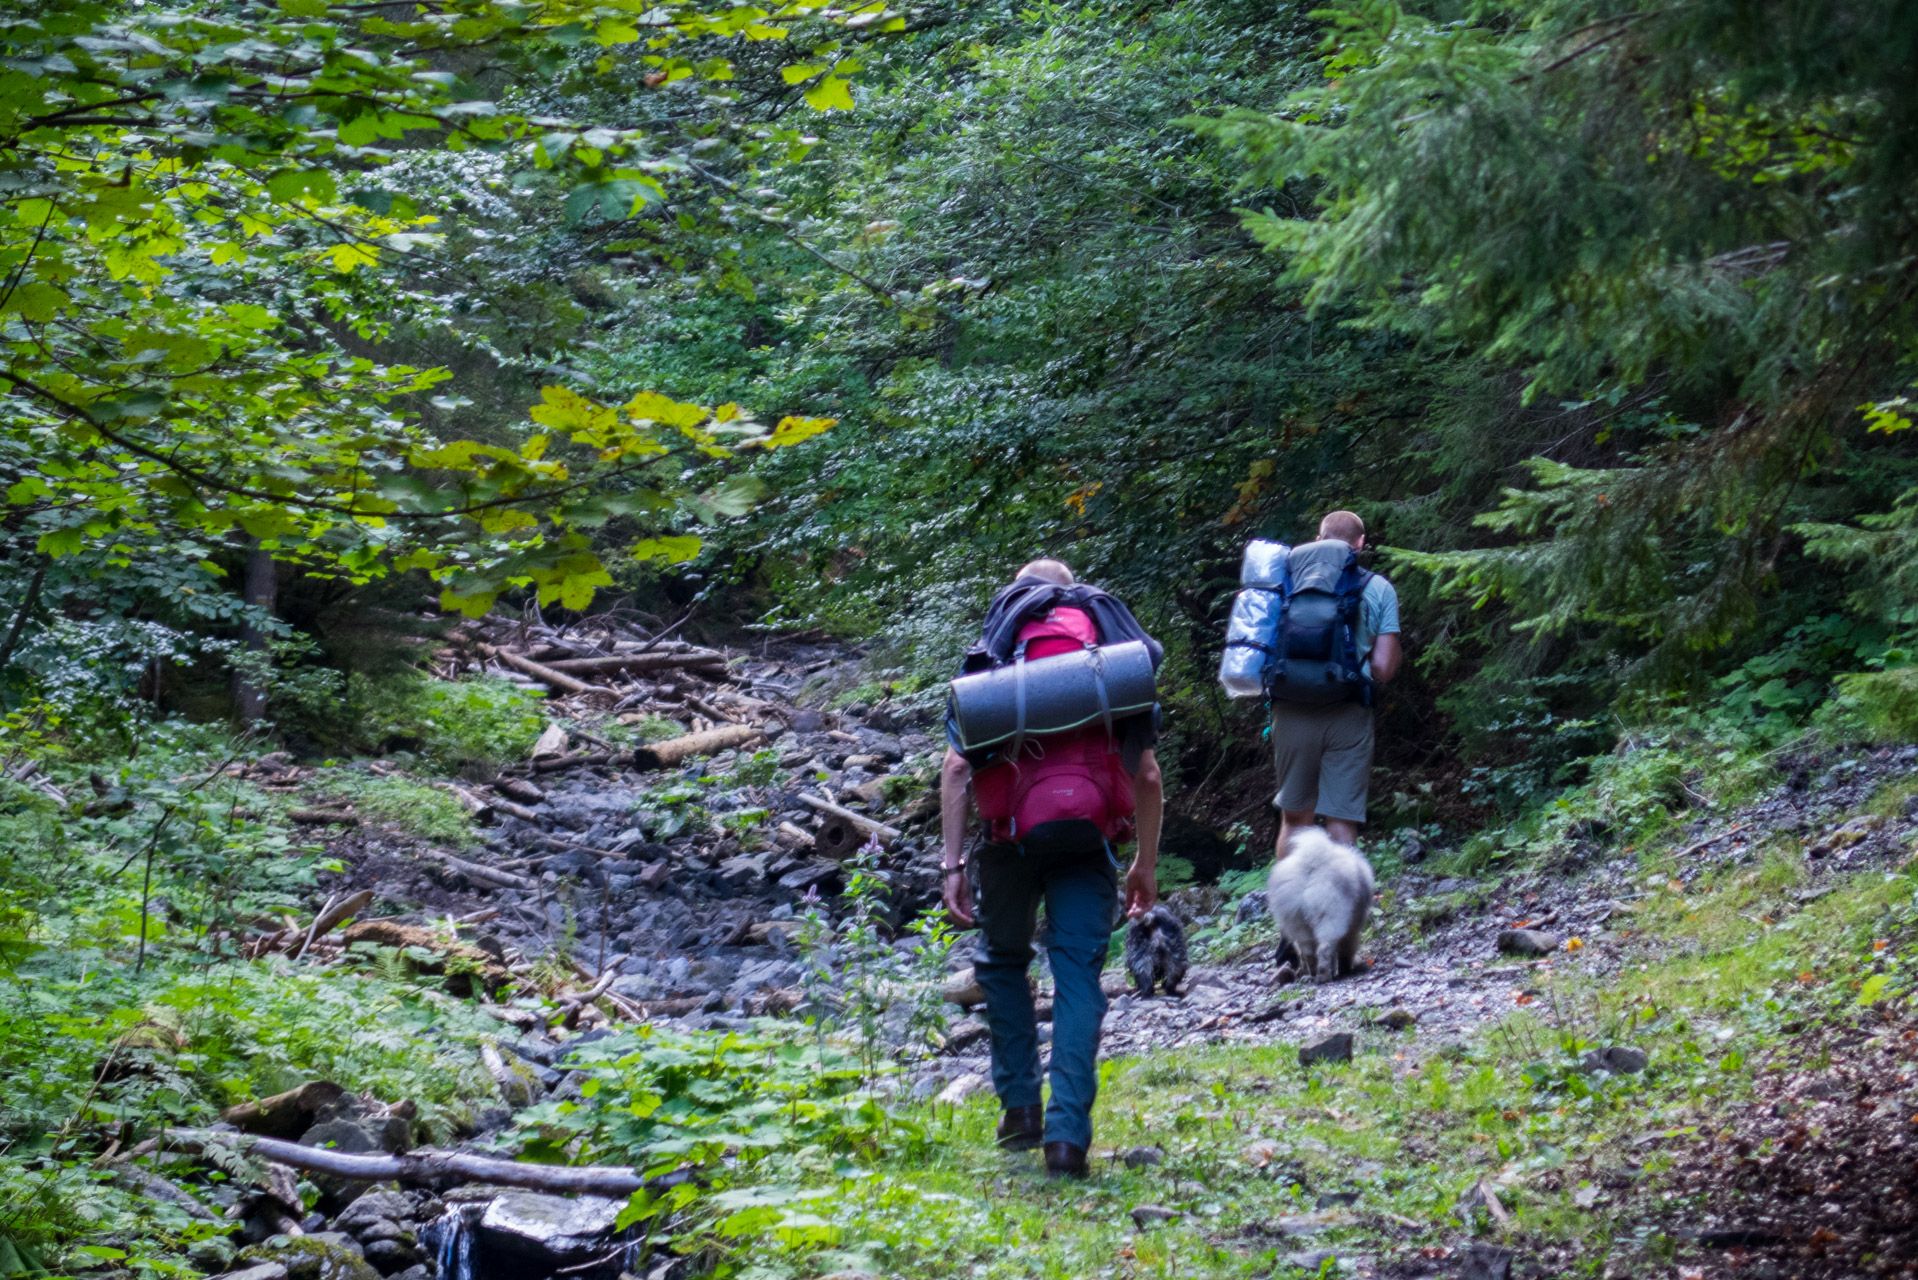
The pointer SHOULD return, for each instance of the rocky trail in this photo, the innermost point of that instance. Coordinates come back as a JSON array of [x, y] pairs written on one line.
[[689, 805]]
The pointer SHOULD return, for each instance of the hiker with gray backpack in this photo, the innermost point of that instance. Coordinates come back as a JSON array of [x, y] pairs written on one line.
[[1314, 633]]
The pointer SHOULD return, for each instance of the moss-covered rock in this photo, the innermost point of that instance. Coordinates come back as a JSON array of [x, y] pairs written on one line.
[[324, 1256]]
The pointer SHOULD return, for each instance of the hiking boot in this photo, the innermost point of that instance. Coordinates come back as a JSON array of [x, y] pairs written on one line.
[[1065, 1160], [1020, 1128]]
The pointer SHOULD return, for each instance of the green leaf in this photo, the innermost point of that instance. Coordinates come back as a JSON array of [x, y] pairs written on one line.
[[291, 184], [675, 550], [737, 496], [1872, 988], [35, 300], [834, 93]]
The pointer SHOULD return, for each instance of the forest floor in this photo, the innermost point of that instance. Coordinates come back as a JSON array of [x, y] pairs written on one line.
[[1697, 1063]]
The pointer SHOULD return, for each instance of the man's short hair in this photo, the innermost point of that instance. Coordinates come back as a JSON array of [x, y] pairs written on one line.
[[1342, 526], [1049, 570]]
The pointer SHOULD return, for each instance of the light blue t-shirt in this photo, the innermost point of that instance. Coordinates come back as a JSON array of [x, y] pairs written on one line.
[[1378, 614]]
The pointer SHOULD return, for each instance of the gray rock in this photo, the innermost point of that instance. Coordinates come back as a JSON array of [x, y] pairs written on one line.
[[1310, 1261], [1527, 942], [1619, 1059], [1398, 1019], [215, 1253], [1486, 1262], [1251, 907], [257, 1271], [1151, 1215], [390, 1256], [340, 1135], [1144, 1157], [324, 1255], [1335, 1048], [373, 1207], [525, 1229]]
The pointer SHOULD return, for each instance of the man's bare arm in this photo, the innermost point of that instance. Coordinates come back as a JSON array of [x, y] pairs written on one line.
[[1386, 654]]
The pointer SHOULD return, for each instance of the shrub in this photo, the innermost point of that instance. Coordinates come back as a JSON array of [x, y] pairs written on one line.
[[458, 724]]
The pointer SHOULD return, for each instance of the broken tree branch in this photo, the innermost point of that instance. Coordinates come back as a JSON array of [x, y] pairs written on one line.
[[636, 662], [664, 755], [539, 671], [870, 826], [421, 1166]]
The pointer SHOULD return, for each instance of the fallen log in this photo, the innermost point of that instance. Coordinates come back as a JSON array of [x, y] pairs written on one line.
[[330, 918], [456, 960], [486, 875], [520, 789], [553, 764], [540, 671], [284, 1115], [322, 817], [422, 1166], [664, 755], [711, 712], [559, 844], [871, 826], [637, 662]]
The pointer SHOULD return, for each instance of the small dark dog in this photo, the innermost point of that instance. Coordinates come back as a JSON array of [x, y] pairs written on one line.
[[1155, 951]]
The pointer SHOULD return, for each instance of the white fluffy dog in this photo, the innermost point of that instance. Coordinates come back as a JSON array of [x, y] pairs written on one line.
[[1319, 894]]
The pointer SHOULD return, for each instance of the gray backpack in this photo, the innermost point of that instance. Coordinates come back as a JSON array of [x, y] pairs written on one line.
[[1315, 659]]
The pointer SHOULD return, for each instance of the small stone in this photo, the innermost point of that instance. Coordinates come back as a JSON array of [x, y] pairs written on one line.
[[963, 989], [1398, 1019], [258, 1271], [1335, 1048], [1146, 1216], [961, 1089], [380, 1206], [1310, 1261], [389, 1256], [964, 1034], [1261, 1153], [1338, 1199], [1619, 1059], [1527, 942], [655, 875], [1143, 1157]]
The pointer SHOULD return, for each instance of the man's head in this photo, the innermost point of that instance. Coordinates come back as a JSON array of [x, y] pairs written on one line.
[[1343, 526], [1048, 571]]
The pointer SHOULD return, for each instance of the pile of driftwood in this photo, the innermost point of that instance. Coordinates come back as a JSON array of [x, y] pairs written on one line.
[[605, 669]]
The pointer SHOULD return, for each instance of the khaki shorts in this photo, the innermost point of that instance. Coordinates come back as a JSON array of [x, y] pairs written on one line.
[[1323, 756]]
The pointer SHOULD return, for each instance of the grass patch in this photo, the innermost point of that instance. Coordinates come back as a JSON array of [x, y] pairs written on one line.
[[404, 802]]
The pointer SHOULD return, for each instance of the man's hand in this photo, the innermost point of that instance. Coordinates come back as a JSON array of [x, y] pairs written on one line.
[[1141, 888], [957, 895]]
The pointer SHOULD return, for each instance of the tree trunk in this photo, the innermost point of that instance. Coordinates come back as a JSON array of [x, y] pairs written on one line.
[[259, 588], [20, 619]]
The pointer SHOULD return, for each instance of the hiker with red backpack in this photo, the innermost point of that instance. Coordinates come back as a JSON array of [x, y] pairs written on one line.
[[1052, 725]]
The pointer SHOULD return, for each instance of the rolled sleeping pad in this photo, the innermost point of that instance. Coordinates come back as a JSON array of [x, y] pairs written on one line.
[[1050, 695], [1253, 628]]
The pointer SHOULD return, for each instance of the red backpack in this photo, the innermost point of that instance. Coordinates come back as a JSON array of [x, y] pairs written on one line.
[[1064, 788]]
